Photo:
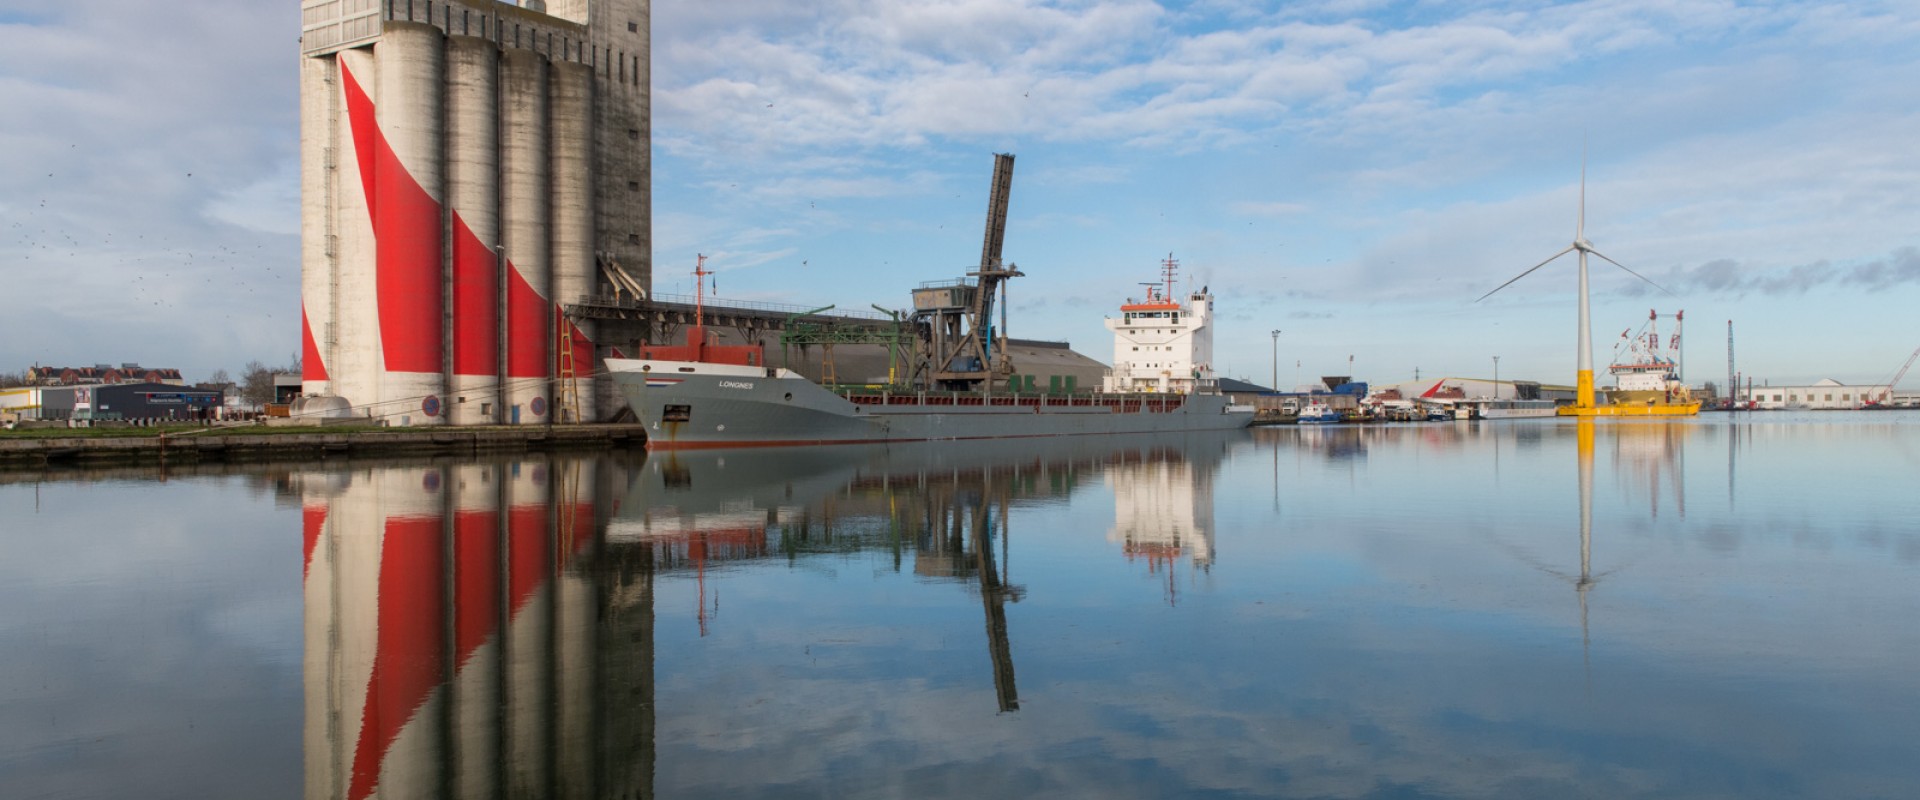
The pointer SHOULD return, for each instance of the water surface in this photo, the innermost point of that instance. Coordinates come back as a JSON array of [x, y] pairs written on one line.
[[1703, 608]]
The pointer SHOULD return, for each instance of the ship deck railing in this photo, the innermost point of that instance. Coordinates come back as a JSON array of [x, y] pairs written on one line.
[[1121, 403]]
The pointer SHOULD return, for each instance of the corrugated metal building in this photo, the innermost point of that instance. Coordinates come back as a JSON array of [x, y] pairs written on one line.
[[129, 401]]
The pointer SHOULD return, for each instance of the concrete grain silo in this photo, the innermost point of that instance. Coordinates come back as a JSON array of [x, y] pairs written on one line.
[[467, 165], [574, 274], [525, 224], [473, 191]]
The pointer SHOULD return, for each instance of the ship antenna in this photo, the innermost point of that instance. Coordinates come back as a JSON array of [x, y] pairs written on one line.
[[700, 274], [1169, 267]]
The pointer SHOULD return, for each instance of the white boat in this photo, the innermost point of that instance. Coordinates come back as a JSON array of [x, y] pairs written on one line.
[[1517, 409], [1318, 413]]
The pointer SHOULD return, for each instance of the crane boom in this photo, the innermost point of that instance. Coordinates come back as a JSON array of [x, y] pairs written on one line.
[[1887, 393]]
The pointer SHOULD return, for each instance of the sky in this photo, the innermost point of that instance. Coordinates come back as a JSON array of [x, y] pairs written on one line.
[[1353, 174]]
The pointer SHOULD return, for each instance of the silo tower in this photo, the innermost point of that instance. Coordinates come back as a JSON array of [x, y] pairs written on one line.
[[466, 167]]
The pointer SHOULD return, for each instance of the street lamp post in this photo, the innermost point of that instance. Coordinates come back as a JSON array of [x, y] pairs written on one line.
[[1276, 360], [1496, 377]]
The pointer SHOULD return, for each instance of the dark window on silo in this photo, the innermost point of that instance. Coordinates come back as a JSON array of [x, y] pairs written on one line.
[[633, 27], [633, 238], [633, 186], [633, 133]]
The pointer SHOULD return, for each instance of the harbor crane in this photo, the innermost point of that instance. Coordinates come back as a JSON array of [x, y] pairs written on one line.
[[961, 348], [1885, 398]]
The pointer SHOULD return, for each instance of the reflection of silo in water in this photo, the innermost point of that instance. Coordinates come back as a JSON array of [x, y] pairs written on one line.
[[576, 619], [529, 633], [477, 498], [402, 558], [376, 612]]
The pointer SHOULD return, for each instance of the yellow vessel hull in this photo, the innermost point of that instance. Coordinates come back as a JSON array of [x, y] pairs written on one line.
[[1642, 410]]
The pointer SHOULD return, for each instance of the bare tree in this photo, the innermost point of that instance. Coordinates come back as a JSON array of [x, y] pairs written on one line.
[[256, 383]]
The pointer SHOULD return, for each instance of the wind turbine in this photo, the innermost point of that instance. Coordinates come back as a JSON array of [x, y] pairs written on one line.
[[1583, 400]]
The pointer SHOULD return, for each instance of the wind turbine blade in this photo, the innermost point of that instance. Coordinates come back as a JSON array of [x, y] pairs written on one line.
[[1528, 272], [1580, 225], [1631, 272]]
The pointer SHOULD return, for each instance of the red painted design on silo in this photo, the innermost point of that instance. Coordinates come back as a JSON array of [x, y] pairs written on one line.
[[526, 329], [311, 367], [407, 654], [406, 232], [476, 287]]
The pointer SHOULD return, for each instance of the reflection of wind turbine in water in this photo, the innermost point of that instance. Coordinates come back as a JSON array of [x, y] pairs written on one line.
[[1583, 401], [1586, 579]]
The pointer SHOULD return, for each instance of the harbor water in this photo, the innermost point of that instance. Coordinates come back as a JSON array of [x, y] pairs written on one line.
[[1699, 608]]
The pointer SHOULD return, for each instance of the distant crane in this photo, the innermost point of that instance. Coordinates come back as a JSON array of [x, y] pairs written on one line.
[[1886, 395], [1733, 380]]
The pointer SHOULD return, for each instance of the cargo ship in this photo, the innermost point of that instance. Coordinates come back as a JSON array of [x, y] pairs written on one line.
[[702, 394]]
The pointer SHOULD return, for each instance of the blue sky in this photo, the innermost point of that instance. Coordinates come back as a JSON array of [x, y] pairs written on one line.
[[1353, 173]]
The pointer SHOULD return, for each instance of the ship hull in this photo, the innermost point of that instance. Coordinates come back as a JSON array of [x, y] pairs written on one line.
[[1642, 410], [691, 405]]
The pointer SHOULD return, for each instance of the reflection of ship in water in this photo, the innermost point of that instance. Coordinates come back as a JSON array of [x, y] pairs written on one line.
[[1163, 510], [937, 510], [1652, 452]]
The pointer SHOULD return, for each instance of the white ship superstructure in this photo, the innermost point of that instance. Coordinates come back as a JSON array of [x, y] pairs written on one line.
[[1161, 345]]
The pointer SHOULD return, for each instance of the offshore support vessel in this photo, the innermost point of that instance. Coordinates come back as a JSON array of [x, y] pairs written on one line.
[[702, 394], [1647, 374]]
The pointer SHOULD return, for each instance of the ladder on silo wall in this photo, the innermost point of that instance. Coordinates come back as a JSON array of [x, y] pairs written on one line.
[[566, 407]]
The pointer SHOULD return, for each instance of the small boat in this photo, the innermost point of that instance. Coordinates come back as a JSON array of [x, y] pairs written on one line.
[[1318, 413], [1517, 409]]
